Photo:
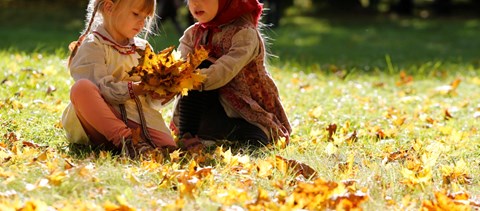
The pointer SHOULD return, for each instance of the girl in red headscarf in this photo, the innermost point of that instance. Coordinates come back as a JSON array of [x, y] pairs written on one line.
[[239, 100]]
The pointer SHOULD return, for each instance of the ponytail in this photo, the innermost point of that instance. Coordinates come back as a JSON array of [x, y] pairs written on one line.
[[73, 46]]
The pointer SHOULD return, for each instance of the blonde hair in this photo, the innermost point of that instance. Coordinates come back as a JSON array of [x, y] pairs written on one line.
[[93, 20]]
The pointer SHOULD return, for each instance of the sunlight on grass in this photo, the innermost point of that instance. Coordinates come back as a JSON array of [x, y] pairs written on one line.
[[472, 23], [356, 43], [395, 138]]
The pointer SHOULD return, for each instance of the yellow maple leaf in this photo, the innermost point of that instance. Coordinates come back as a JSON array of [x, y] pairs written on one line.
[[457, 173], [175, 155], [413, 178], [264, 168], [167, 73], [57, 177]]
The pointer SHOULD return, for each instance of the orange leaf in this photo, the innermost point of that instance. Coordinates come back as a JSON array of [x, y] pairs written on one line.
[[397, 155], [447, 115], [404, 79], [443, 202], [41, 157], [332, 128], [298, 167], [455, 83], [68, 164], [30, 144]]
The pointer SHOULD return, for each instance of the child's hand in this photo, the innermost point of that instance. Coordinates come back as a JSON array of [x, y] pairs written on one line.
[[138, 89], [164, 99], [198, 87]]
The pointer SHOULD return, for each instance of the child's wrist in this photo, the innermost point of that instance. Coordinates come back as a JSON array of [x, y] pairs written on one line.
[[135, 90], [199, 87], [131, 91]]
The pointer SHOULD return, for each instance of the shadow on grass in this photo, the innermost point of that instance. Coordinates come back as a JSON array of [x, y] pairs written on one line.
[[51, 33], [81, 151], [365, 42], [361, 43]]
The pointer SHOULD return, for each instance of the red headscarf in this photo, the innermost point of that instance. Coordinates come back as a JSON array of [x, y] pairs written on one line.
[[229, 10]]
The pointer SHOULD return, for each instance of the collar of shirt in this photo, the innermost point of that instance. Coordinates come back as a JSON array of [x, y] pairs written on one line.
[[105, 38]]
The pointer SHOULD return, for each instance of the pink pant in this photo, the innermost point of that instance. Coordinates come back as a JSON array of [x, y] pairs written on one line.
[[102, 123]]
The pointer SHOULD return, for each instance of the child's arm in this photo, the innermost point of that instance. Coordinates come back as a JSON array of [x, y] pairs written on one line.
[[186, 42], [90, 63], [245, 47]]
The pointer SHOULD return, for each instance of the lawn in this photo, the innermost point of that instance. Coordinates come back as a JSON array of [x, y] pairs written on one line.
[[385, 111]]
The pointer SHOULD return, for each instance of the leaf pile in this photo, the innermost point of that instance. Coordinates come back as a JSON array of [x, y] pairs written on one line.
[[167, 73]]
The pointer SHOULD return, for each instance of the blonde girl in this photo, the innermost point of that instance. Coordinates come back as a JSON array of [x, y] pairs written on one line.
[[108, 109], [238, 101]]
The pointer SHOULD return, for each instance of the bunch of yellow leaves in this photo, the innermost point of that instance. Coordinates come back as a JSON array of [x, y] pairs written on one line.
[[166, 73]]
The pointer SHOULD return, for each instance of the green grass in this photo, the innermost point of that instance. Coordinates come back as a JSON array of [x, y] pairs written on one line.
[[351, 42], [329, 71], [364, 42]]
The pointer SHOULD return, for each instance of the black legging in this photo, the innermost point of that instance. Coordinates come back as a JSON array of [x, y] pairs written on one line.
[[202, 114]]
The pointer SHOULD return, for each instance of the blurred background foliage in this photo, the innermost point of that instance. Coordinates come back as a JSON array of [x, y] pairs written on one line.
[[404, 7], [360, 33]]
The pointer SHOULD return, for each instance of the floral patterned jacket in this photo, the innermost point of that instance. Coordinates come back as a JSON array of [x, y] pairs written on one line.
[[246, 88]]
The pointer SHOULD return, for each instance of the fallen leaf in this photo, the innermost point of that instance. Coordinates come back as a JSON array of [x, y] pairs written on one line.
[[298, 167], [68, 164], [447, 115], [443, 202], [57, 177], [331, 128], [42, 157], [50, 90], [448, 89], [404, 79], [352, 137]]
